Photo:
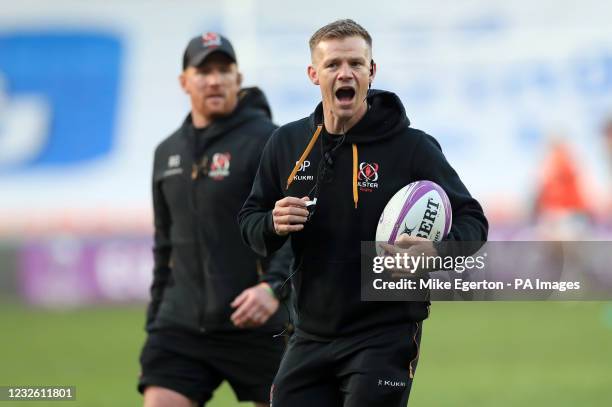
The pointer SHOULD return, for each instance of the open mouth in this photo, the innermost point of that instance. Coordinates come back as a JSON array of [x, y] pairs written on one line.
[[345, 94]]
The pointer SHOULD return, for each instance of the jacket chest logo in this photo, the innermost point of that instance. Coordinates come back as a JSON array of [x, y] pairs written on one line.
[[174, 166], [174, 161], [304, 172], [368, 176], [220, 166]]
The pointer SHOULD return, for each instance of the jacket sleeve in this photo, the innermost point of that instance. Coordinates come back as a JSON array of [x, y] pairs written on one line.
[[255, 217], [162, 248], [277, 271], [469, 221]]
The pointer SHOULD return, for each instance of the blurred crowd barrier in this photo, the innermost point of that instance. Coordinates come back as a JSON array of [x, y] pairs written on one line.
[[74, 271]]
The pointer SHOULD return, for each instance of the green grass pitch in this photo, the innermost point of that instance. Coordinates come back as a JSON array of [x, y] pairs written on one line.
[[472, 354]]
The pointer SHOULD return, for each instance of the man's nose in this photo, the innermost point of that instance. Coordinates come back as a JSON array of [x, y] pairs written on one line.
[[345, 72], [214, 78]]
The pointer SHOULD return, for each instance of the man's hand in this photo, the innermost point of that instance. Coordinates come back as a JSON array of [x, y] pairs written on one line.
[[416, 245], [254, 306], [413, 246], [289, 215]]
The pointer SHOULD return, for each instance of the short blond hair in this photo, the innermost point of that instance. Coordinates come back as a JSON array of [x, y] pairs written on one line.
[[338, 30]]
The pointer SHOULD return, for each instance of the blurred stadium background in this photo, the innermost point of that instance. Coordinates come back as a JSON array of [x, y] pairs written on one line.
[[518, 95]]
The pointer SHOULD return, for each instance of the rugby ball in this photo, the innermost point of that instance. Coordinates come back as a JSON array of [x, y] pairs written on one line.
[[419, 209]]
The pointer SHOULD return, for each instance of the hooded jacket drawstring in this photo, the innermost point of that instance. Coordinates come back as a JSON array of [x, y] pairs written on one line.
[[307, 151], [355, 172]]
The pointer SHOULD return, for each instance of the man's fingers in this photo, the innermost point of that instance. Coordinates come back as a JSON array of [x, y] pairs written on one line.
[[238, 318], [239, 300], [389, 248], [291, 219], [407, 238], [255, 309], [249, 318], [242, 310], [284, 229], [290, 201], [404, 240], [289, 211], [290, 206], [258, 317], [247, 311], [289, 214]]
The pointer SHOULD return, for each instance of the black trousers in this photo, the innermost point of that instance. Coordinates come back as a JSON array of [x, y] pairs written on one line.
[[373, 368]]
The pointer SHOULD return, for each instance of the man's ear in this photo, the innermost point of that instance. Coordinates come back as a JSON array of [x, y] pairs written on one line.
[[373, 69], [312, 75], [239, 79], [183, 81]]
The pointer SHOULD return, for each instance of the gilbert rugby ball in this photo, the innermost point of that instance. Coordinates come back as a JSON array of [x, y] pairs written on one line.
[[419, 209]]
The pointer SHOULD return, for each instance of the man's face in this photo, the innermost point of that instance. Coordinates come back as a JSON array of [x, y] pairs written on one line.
[[213, 86], [341, 68]]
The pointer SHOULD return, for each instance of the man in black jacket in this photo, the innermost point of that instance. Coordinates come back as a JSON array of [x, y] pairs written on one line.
[[325, 180], [213, 311]]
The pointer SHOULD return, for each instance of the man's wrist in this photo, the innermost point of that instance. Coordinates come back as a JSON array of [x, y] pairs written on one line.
[[270, 228], [269, 289], [280, 288]]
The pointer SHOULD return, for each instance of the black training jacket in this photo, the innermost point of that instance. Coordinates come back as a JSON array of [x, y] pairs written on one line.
[[362, 171], [200, 181]]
